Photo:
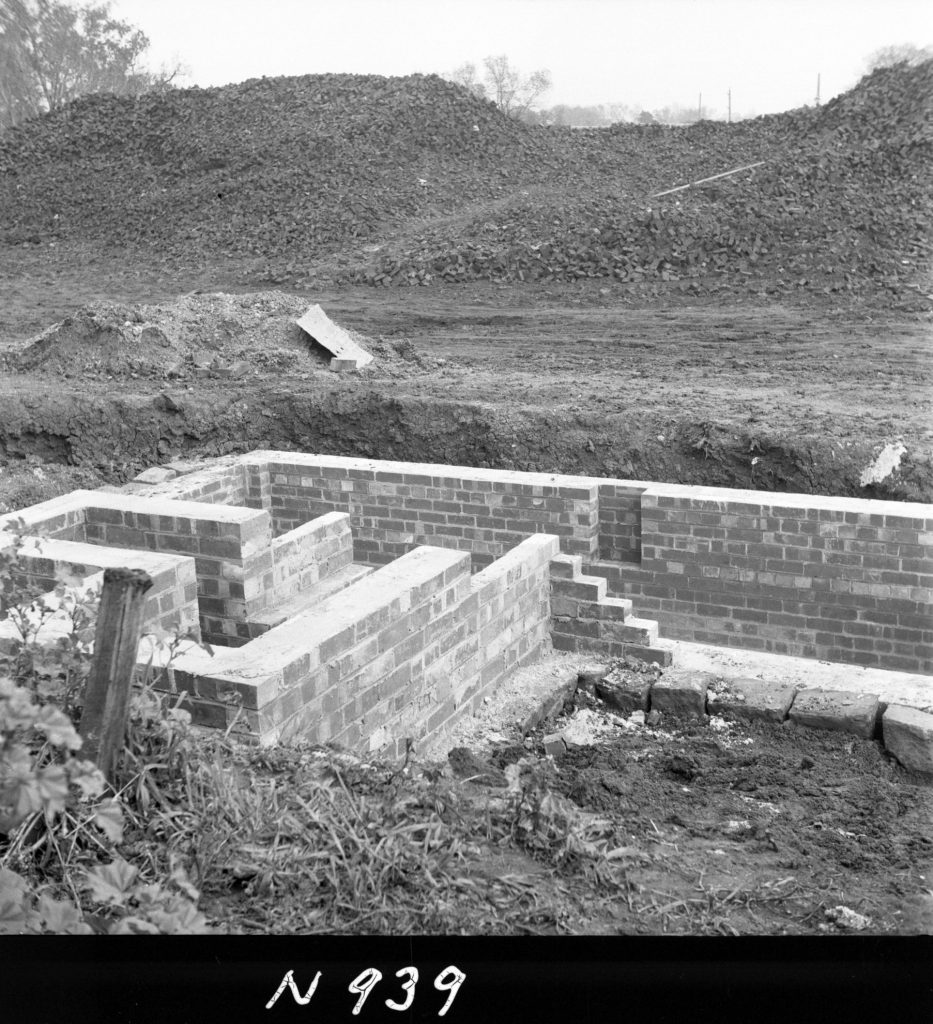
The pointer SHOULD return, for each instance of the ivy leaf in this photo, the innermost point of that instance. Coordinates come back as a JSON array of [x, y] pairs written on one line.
[[12, 886], [17, 709], [108, 817], [13, 916], [62, 917], [133, 926], [181, 918], [52, 785], [69, 579], [87, 777], [49, 687], [111, 883], [58, 727], [180, 877]]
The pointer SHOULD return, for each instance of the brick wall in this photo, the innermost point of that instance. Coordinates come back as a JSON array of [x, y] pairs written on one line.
[[397, 506], [223, 482], [300, 558], [832, 578], [620, 520], [584, 617], [400, 655], [61, 518], [171, 603], [229, 545], [840, 579]]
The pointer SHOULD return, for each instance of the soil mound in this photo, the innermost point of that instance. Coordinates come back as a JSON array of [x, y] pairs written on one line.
[[841, 204], [231, 335], [393, 181]]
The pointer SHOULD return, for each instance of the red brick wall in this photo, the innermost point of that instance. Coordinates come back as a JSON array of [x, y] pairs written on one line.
[[402, 654], [841, 579], [831, 578], [397, 506]]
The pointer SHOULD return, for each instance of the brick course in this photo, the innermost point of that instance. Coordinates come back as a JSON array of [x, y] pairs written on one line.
[[400, 655]]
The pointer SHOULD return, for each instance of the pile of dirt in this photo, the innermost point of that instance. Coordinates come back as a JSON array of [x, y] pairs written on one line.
[[753, 827], [841, 204], [284, 167], [393, 181], [218, 334]]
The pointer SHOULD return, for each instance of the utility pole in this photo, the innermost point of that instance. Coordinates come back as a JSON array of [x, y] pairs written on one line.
[[817, 88], [700, 108], [730, 106]]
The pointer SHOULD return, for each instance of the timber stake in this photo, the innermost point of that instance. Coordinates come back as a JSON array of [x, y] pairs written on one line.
[[103, 721]]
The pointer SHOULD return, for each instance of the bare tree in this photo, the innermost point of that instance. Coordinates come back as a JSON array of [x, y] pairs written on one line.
[[905, 53], [513, 92], [53, 52], [465, 75]]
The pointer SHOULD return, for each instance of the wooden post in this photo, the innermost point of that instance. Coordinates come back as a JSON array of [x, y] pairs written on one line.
[[119, 620], [730, 106]]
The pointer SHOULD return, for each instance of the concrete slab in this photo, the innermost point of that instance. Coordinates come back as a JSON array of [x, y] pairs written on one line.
[[766, 700], [681, 693], [155, 475], [837, 711], [908, 735], [552, 702], [906, 688], [625, 693], [590, 675], [555, 745], [335, 339]]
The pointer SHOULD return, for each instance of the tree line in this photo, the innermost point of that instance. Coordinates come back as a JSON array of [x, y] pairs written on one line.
[[517, 94], [53, 52]]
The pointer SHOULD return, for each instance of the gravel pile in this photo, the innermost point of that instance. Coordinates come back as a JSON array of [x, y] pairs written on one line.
[[401, 181]]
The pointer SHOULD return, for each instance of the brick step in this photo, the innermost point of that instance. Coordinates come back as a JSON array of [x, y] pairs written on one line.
[[307, 598], [643, 632]]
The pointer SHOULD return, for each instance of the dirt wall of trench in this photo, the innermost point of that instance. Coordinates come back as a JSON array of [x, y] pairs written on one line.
[[121, 434]]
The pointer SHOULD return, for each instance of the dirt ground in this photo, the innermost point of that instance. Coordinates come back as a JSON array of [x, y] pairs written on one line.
[[729, 827], [723, 828], [571, 378]]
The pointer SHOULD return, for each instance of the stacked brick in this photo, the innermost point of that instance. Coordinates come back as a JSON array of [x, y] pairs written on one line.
[[223, 483], [171, 602], [840, 579], [831, 578], [584, 618], [396, 506], [399, 656]]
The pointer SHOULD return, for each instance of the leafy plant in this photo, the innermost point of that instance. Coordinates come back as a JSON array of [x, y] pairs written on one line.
[[58, 815]]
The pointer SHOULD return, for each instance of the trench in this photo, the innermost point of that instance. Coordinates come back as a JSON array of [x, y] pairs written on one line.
[[118, 435]]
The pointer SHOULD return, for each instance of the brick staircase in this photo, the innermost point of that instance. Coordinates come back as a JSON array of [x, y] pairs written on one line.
[[584, 618]]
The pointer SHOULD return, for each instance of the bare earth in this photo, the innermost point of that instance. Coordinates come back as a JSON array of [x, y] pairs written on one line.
[[570, 378]]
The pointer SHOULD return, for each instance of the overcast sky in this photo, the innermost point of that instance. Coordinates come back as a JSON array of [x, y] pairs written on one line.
[[645, 52]]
